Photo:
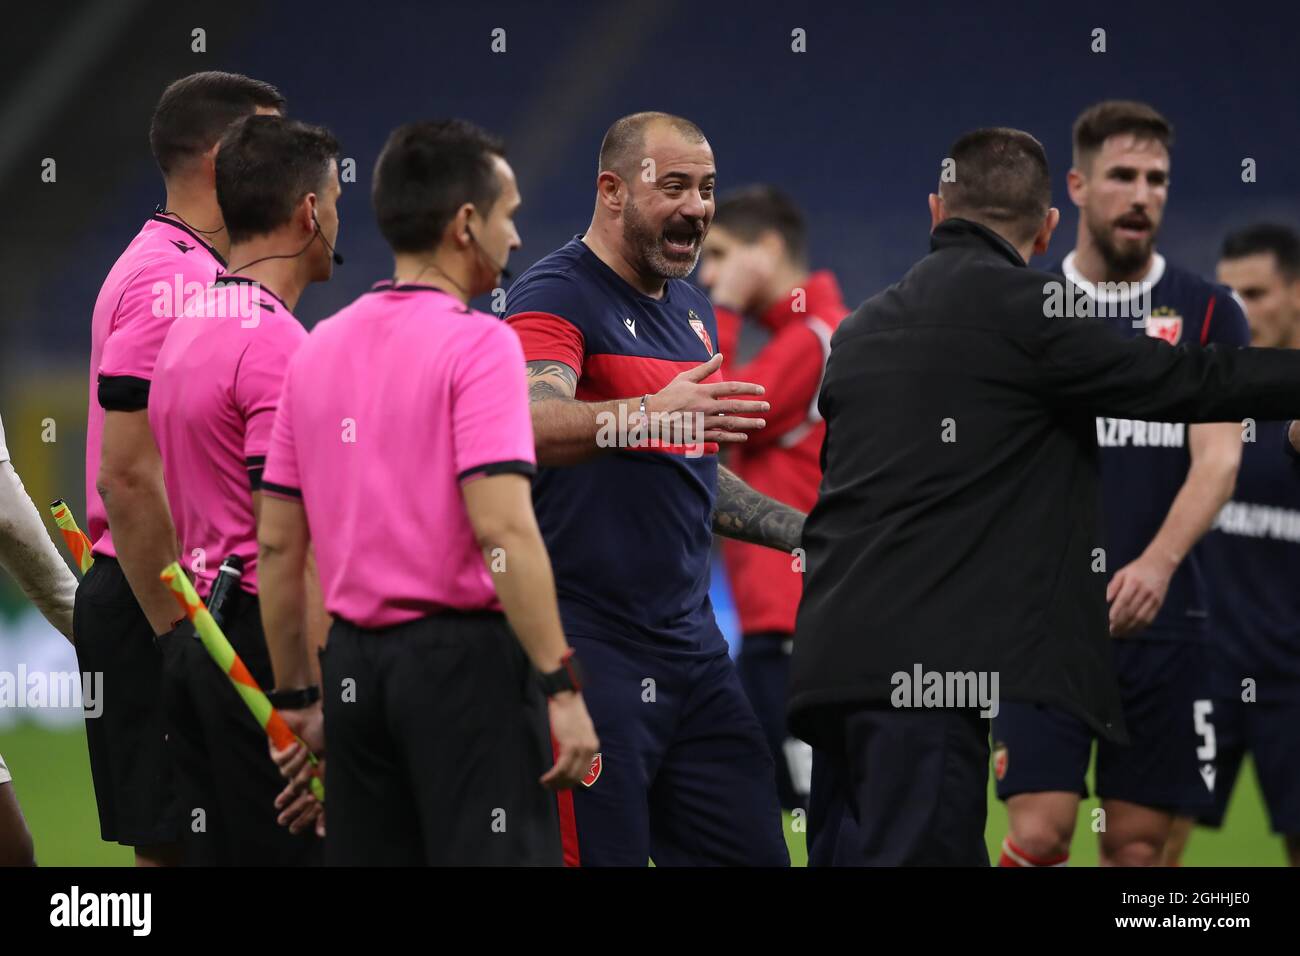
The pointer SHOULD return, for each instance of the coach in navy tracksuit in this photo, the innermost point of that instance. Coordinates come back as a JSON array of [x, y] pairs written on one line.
[[958, 530], [614, 341]]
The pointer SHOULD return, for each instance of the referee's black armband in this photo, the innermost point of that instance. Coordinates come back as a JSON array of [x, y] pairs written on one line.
[[275, 489], [123, 393], [256, 465], [526, 468]]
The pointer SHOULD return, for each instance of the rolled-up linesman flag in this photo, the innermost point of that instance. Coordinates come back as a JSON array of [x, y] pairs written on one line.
[[219, 648], [73, 536]]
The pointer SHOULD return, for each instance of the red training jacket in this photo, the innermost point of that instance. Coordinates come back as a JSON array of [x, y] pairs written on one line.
[[782, 460]]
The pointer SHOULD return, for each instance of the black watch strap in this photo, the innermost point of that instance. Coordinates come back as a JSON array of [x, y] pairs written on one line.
[[296, 699], [568, 676]]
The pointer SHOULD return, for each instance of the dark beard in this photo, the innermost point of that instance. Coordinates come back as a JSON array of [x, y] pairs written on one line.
[[645, 243], [1122, 262]]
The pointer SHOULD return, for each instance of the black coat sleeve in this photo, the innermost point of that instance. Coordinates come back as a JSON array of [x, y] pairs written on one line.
[[1085, 365]]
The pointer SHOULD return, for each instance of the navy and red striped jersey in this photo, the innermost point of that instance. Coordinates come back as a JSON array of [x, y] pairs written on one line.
[[629, 532], [1144, 464]]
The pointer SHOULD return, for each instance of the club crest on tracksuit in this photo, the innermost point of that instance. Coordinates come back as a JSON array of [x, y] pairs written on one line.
[[1164, 323], [698, 325], [593, 772], [1000, 760]]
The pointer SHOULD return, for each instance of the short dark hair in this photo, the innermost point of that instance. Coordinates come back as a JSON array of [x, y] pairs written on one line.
[[426, 171], [624, 141], [1265, 237], [265, 165], [196, 110], [1001, 179], [754, 210], [1108, 118]]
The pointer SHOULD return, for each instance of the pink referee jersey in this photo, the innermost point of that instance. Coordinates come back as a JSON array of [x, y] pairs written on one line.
[[216, 386], [387, 408], [165, 265]]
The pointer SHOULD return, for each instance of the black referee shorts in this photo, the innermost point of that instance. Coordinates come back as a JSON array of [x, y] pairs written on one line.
[[436, 733], [226, 781], [128, 755]]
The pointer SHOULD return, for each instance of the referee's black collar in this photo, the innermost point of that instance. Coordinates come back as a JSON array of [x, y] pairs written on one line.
[[963, 232], [226, 279], [157, 217], [388, 285]]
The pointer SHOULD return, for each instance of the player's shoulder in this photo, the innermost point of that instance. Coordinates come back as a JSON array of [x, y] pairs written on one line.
[[484, 327], [336, 326], [279, 319], [470, 325], [488, 339], [163, 247], [158, 273], [1180, 283], [1184, 282], [277, 330], [1207, 308], [566, 261], [561, 282]]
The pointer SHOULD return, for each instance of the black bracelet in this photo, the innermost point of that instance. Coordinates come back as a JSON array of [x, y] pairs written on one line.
[[299, 698]]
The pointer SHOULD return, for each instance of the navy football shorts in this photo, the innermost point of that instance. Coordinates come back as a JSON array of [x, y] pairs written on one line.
[[1268, 728], [1170, 762], [684, 775]]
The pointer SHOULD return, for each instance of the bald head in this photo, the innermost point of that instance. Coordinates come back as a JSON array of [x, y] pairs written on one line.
[[654, 199], [624, 144]]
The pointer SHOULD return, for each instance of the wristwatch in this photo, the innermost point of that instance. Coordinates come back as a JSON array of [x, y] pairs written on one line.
[[568, 676], [298, 698]]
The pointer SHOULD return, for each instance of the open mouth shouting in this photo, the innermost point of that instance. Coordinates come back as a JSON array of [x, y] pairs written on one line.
[[681, 240]]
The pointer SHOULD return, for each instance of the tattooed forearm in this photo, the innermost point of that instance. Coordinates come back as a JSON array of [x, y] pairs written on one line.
[[742, 513], [551, 380], [565, 429]]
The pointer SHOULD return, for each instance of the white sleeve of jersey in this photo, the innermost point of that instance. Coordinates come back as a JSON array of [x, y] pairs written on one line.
[[28, 554]]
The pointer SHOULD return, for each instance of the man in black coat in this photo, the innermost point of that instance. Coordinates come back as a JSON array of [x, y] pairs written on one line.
[[954, 556]]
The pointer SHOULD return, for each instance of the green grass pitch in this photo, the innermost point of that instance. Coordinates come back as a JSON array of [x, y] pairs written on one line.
[[52, 777]]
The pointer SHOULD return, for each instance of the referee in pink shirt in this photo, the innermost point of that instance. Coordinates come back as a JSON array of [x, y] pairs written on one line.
[[216, 386], [120, 604], [403, 451]]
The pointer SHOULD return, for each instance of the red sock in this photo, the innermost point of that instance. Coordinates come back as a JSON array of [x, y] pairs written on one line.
[[1012, 855]]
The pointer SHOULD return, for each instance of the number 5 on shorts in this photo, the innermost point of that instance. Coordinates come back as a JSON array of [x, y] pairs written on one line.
[[1201, 710]]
